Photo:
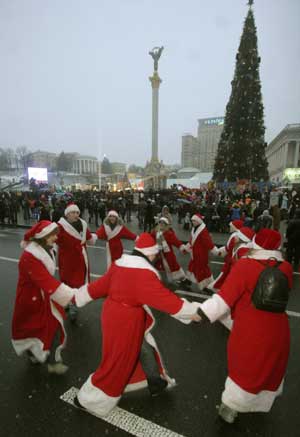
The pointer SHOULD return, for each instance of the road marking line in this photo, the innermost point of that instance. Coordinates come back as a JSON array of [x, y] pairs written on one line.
[[125, 420], [13, 260]]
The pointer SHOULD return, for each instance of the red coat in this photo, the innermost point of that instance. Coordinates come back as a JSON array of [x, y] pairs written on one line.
[[113, 237], [130, 284], [201, 244], [73, 261], [258, 345], [38, 312], [167, 259], [228, 261]]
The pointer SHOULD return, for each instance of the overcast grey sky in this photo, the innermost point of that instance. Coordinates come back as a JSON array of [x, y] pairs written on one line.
[[74, 73]]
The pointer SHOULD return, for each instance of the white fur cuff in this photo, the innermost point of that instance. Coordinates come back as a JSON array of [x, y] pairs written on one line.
[[82, 296], [214, 308], [63, 294], [214, 251], [92, 241], [187, 310]]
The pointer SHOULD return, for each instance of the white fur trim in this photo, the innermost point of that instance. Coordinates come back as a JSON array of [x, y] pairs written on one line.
[[135, 262], [58, 317], [214, 251], [227, 321], [215, 307], [164, 220], [202, 284], [187, 310], [242, 237], [72, 231], [24, 244], [195, 234], [177, 275], [197, 219], [151, 340], [136, 386], [266, 254], [42, 255], [71, 208], [62, 295], [82, 296], [95, 400], [111, 233], [113, 213], [46, 230], [242, 401], [153, 250], [34, 345], [93, 239]]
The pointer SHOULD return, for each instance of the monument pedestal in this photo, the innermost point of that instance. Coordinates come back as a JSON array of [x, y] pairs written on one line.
[[155, 177]]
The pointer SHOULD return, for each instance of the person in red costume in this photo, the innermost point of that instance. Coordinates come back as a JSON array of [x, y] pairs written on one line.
[[130, 286], [259, 343], [37, 324], [166, 238], [112, 230], [73, 263], [200, 247], [226, 251]]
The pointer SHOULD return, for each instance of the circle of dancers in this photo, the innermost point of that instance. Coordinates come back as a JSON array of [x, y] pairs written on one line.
[[259, 339]]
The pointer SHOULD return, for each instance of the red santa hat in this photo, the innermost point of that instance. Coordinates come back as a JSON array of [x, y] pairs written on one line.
[[146, 244], [198, 218], [236, 224], [113, 213], [245, 234], [39, 230], [164, 220], [267, 239], [71, 207]]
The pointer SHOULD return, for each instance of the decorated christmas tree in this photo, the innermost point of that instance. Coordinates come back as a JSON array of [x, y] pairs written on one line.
[[241, 150]]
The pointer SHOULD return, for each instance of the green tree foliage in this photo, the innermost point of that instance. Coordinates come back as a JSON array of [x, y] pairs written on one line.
[[241, 150]]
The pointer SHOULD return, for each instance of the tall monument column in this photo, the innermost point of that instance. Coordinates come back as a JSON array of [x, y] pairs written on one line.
[[155, 169], [155, 82]]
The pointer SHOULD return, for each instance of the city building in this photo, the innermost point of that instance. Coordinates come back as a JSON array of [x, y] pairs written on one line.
[[283, 155], [118, 167], [209, 133], [85, 164], [201, 151], [189, 151], [43, 159]]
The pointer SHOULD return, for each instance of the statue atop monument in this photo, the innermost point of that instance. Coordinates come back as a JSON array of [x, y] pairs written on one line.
[[156, 53]]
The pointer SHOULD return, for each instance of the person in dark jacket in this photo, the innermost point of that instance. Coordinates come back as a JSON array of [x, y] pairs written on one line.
[[293, 240]]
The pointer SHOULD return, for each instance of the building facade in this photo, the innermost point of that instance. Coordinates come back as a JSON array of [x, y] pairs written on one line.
[[200, 151], [85, 164], [209, 133], [43, 159], [283, 155], [118, 167], [189, 151]]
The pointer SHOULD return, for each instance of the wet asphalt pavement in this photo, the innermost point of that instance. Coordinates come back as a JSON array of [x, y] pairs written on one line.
[[195, 355]]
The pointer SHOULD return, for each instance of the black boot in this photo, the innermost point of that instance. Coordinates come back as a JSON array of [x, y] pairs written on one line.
[[156, 385], [185, 284]]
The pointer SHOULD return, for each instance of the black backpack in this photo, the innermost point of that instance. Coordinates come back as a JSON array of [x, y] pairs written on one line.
[[272, 290]]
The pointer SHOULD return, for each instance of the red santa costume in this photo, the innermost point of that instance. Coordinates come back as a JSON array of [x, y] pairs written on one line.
[[130, 285], [258, 346], [113, 236], [200, 246], [167, 260], [226, 251], [40, 298], [73, 261]]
